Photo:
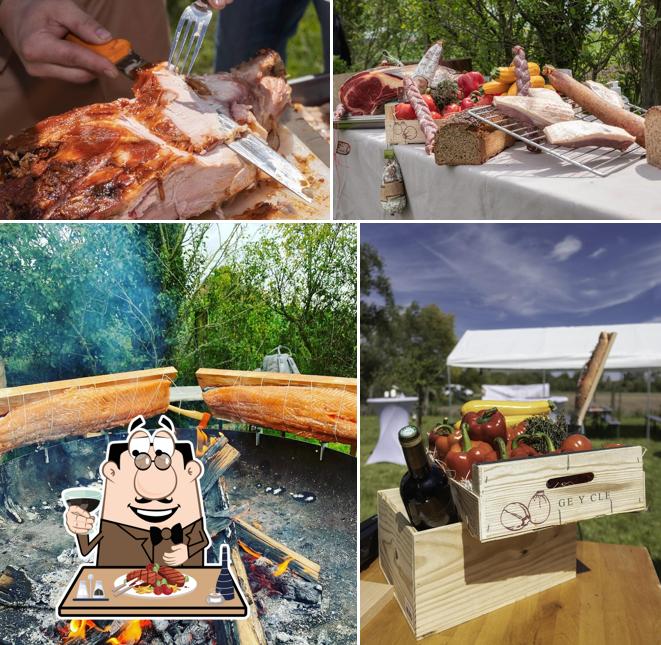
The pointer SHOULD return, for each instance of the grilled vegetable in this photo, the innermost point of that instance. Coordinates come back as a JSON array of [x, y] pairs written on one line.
[[510, 408]]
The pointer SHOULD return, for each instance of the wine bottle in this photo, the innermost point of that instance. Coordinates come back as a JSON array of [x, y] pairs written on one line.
[[225, 583], [424, 488]]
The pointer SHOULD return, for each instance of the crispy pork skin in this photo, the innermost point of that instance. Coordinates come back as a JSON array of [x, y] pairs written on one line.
[[161, 155]]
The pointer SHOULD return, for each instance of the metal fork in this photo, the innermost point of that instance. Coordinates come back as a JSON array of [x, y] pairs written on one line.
[[188, 38]]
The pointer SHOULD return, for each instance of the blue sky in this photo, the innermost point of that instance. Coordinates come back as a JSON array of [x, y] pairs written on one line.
[[525, 275]]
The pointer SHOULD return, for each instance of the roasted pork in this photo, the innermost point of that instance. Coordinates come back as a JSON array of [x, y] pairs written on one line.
[[576, 134], [159, 155]]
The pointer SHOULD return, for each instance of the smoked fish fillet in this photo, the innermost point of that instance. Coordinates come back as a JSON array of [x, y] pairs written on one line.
[[77, 411], [326, 414]]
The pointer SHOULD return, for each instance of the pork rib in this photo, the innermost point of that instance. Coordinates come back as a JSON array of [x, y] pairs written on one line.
[[536, 110], [160, 155]]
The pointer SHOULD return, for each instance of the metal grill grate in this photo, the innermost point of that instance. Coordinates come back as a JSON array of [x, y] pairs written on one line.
[[597, 160]]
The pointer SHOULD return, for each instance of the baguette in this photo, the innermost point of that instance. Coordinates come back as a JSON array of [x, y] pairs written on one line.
[[593, 103]]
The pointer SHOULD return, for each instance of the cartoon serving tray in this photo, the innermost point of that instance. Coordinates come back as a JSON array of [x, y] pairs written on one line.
[[151, 541]]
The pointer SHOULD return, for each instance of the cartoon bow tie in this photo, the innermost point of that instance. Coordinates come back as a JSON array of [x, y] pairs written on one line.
[[176, 533]]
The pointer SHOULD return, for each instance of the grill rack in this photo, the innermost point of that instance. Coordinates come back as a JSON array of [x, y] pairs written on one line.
[[598, 160]]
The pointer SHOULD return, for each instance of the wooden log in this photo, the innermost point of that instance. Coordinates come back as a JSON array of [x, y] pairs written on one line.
[[51, 411], [264, 544], [250, 631], [221, 378], [216, 467]]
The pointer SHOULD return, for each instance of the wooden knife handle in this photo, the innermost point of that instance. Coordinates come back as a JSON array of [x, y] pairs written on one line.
[[113, 50]]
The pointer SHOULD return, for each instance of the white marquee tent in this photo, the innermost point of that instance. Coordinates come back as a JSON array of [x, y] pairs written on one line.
[[636, 347]]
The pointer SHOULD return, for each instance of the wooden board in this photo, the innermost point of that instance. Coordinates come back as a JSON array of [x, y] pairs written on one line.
[[207, 377], [271, 200], [250, 632], [502, 493], [374, 596], [186, 606], [12, 396], [443, 577], [615, 598], [593, 370], [403, 131]]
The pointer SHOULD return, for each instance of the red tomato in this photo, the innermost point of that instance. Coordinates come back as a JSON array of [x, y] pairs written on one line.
[[167, 591], [614, 445], [436, 115], [157, 590], [453, 108], [467, 103], [427, 98], [575, 443], [404, 111]]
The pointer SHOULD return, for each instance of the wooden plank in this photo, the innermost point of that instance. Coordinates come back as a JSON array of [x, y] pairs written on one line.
[[216, 467], [13, 396], [250, 631], [517, 497], [594, 368], [615, 598], [374, 596], [218, 378], [451, 569], [275, 551], [3, 374]]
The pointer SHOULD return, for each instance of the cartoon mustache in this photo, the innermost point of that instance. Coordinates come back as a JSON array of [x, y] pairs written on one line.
[[145, 500]]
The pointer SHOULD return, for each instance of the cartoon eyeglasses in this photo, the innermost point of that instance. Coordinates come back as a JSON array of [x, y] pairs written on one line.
[[162, 442]]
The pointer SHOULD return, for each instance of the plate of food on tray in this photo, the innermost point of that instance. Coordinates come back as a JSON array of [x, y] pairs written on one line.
[[156, 581]]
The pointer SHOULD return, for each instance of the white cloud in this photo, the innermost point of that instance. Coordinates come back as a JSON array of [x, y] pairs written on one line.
[[565, 248], [491, 266], [597, 253]]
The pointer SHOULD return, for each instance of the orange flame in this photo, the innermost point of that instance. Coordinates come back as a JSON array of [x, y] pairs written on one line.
[[131, 633], [283, 566], [78, 629], [248, 550], [204, 442]]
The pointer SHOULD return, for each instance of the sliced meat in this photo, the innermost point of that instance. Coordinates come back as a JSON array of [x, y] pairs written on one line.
[[536, 110], [576, 134], [367, 92], [161, 155]]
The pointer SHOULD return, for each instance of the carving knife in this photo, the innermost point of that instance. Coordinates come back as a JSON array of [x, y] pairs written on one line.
[[257, 152]]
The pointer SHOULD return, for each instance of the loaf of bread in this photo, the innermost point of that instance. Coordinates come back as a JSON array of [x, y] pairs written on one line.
[[464, 140], [653, 136]]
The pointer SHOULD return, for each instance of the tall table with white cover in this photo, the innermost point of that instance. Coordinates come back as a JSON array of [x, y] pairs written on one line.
[[394, 413]]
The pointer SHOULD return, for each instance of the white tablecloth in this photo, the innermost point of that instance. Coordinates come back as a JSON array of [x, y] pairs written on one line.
[[515, 184], [394, 414]]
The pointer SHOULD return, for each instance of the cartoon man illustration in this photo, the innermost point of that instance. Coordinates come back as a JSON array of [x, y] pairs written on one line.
[[152, 505]]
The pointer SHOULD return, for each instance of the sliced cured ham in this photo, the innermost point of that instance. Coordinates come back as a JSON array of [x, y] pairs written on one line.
[[327, 414], [160, 155], [78, 411], [539, 111], [576, 134]]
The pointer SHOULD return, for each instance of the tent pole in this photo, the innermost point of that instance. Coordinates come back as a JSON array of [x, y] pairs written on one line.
[[648, 378], [449, 392]]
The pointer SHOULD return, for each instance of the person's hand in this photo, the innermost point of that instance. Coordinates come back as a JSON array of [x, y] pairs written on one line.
[[36, 29], [219, 4], [78, 521], [177, 556]]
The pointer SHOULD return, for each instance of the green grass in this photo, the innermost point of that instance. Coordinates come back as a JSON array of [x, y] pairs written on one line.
[[628, 528], [304, 52]]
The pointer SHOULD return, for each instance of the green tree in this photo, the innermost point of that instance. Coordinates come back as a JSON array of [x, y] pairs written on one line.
[[425, 337]]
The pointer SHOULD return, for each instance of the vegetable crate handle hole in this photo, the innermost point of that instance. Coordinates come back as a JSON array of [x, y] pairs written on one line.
[[569, 480]]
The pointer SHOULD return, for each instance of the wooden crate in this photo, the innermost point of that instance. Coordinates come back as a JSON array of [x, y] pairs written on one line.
[[511, 498], [400, 131], [444, 577]]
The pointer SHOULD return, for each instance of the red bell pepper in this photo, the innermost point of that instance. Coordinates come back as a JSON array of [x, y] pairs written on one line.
[[470, 82], [445, 438], [461, 462], [575, 443], [451, 109], [486, 425], [522, 450]]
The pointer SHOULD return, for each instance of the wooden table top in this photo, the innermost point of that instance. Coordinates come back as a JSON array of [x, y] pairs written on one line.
[[615, 598], [177, 606]]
